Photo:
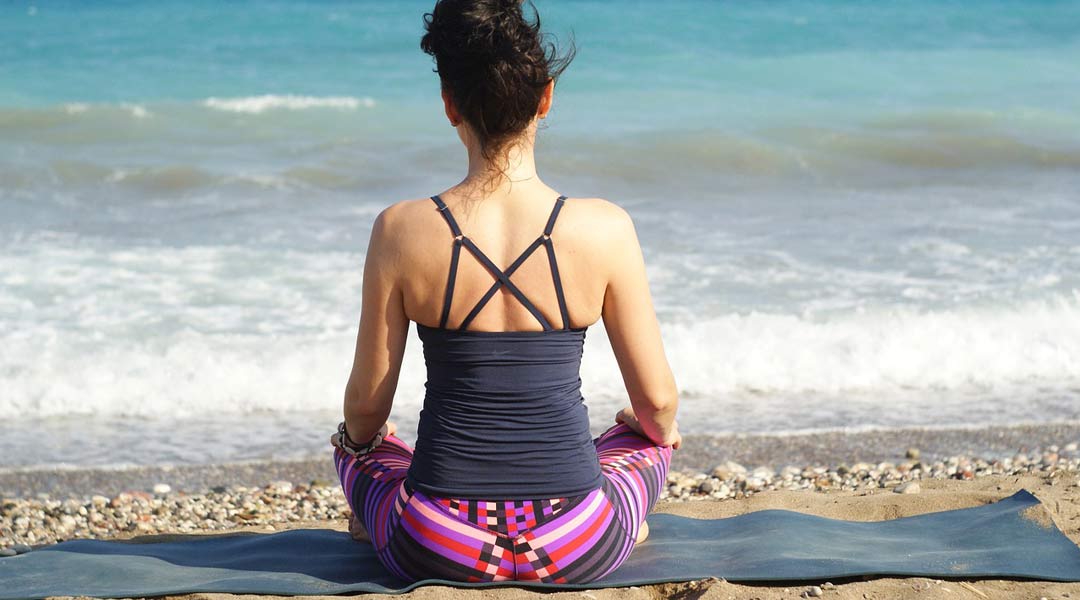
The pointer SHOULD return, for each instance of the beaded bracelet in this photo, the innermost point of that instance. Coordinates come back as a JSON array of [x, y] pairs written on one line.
[[353, 449]]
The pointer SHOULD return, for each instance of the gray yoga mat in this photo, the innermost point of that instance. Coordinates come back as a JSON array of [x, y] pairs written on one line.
[[1009, 538]]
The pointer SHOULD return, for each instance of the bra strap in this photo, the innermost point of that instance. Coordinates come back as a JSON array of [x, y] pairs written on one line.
[[563, 312], [448, 297], [445, 210]]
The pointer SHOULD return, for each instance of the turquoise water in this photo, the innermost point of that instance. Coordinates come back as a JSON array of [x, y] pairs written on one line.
[[855, 214]]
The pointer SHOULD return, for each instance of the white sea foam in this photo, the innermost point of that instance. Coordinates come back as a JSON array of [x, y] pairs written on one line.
[[137, 110], [986, 347], [259, 104], [198, 330]]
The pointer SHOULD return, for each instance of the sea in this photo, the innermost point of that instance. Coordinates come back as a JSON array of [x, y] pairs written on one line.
[[856, 216]]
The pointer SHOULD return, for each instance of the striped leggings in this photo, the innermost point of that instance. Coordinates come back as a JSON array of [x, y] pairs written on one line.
[[552, 540]]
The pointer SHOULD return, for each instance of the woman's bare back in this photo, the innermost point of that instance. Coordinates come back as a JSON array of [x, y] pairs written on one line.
[[583, 238]]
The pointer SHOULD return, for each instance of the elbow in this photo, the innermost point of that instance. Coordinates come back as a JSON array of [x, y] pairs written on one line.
[[663, 401], [359, 406]]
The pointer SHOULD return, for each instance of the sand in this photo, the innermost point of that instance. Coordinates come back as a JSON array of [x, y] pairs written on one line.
[[1060, 497]]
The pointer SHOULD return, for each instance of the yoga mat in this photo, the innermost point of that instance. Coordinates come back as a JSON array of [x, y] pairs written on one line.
[[1010, 538]]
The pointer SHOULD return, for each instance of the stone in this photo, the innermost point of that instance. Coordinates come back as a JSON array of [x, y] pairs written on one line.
[[812, 592], [281, 487], [734, 467], [21, 548], [162, 488], [121, 499], [912, 453], [910, 487], [7, 552]]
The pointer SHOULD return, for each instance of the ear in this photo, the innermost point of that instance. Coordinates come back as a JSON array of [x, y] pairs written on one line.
[[452, 113], [545, 99]]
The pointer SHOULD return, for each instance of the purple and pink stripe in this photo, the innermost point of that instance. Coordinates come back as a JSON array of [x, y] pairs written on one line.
[[552, 540]]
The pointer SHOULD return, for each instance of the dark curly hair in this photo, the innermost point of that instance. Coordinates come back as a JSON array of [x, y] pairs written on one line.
[[494, 63]]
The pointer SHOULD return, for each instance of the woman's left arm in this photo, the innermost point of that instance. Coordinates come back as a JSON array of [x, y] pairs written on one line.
[[380, 343]]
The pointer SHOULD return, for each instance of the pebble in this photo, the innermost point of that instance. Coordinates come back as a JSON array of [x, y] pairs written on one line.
[[910, 487], [912, 454], [46, 520], [7, 552], [812, 592], [281, 487], [732, 480]]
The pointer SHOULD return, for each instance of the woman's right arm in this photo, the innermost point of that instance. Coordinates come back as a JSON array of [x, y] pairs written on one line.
[[634, 332]]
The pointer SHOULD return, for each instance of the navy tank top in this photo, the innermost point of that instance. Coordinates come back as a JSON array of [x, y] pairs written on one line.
[[503, 415]]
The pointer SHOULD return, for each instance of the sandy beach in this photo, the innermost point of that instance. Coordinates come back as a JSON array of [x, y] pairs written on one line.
[[859, 491], [1060, 496]]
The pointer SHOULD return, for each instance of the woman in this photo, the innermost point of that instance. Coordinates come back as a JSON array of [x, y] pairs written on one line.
[[505, 482]]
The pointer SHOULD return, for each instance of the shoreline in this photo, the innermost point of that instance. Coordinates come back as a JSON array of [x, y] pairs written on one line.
[[699, 453], [44, 519], [876, 495]]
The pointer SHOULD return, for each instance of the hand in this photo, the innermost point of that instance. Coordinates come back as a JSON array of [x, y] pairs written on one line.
[[627, 417], [677, 439]]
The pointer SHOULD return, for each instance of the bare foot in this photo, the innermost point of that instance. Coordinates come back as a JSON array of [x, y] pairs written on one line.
[[643, 532], [357, 531]]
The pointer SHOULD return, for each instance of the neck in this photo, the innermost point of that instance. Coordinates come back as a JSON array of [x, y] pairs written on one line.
[[515, 165]]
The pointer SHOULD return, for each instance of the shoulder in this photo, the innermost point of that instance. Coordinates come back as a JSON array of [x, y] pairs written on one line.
[[400, 230], [399, 223], [603, 220], [402, 214]]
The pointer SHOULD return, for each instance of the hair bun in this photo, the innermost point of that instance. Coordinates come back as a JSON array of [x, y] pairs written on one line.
[[494, 62]]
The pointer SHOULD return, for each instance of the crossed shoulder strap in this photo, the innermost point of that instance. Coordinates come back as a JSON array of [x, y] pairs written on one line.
[[502, 278]]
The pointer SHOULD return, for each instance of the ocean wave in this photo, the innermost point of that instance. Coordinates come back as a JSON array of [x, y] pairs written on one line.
[[977, 347], [822, 153], [140, 361], [85, 175], [260, 104], [876, 149]]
